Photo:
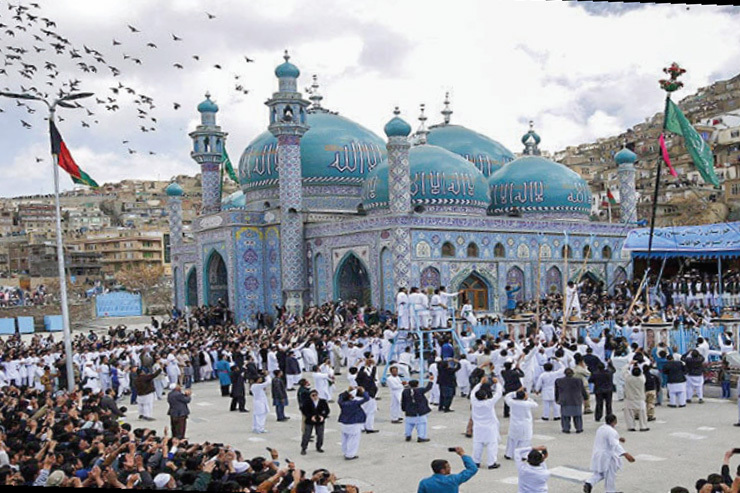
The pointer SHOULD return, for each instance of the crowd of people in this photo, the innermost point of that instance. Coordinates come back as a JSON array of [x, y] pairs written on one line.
[[16, 296], [334, 357]]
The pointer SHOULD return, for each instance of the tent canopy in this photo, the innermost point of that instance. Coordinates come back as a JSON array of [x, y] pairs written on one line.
[[708, 241]]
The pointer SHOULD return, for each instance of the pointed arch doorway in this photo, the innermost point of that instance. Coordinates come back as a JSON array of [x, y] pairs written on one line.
[[191, 288], [352, 281], [475, 289], [217, 280]]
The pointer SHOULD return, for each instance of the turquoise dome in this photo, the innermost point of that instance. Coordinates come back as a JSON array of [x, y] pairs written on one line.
[[174, 190], [438, 178], [485, 153], [287, 69], [397, 127], [536, 184], [234, 201], [532, 134], [334, 151], [208, 106], [625, 156]]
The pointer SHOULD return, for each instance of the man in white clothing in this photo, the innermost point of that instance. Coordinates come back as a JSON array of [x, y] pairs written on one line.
[[606, 458], [395, 384], [402, 309], [545, 386], [573, 304], [520, 422], [485, 423], [533, 472], [260, 406]]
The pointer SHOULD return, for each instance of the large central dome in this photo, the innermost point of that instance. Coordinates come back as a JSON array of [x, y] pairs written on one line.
[[334, 151], [485, 153]]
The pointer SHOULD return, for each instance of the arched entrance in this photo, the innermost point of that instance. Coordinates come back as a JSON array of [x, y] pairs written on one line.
[[191, 288], [515, 277], [217, 281], [475, 290], [429, 278], [553, 281], [352, 282], [620, 276]]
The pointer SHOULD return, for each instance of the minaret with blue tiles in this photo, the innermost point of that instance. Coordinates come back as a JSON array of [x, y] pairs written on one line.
[[174, 212], [288, 125], [626, 173], [208, 145], [399, 194]]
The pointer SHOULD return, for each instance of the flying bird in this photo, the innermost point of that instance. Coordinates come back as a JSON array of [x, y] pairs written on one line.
[[133, 29], [175, 38], [39, 160], [177, 65], [176, 105], [249, 60], [25, 125], [210, 16], [196, 57], [217, 66], [151, 45], [116, 43]]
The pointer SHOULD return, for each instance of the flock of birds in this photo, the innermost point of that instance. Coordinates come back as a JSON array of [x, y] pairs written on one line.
[[36, 59]]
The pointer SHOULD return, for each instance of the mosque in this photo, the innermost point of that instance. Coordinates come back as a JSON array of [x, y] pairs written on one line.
[[329, 210]]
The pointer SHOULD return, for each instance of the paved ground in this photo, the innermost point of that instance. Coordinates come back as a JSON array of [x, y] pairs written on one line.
[[681, 446]]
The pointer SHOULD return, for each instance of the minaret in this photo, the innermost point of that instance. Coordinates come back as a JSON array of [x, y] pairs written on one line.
[[626, 160], [288, 124], [174, 212], [531, 141], [399, 195], [399, 174], [208, 145], [423, 131]]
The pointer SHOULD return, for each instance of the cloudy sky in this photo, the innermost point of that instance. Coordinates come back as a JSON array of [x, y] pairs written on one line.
[[579, 70]]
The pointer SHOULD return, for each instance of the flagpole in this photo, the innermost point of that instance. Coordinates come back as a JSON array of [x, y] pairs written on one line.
[[62, 275]]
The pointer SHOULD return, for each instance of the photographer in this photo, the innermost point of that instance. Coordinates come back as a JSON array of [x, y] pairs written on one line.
[[443, 481]]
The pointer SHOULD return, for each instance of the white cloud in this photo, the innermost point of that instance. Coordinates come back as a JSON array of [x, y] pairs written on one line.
[[579, 73]]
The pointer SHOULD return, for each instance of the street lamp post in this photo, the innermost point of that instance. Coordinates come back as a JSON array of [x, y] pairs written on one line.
[[63, 102]]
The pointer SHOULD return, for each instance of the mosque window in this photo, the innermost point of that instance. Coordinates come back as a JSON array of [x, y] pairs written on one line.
[[472, 250], [587, 253], [448, 249], [606, 252], [499, 251], [567, 251]]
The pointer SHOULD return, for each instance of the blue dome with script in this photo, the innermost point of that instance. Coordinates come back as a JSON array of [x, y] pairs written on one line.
[[538, 185], [439, 178], [334, 151], [485, 153]]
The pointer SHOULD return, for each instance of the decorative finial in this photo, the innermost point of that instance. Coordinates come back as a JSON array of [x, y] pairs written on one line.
[[208, 95], [286, 56], [447, 112], [531, 141], [422, 132], [396, 111], [315, 97], [672, 84], [531, 125]]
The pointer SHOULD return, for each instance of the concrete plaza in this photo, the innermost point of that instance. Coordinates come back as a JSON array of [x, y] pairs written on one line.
[[682, 446]]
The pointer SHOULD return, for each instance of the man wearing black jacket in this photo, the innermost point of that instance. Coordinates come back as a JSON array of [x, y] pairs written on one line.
[[603, 382], [512, 381], [416, 407], [447, 383], [315, 412], [675, 372], [238, 398]]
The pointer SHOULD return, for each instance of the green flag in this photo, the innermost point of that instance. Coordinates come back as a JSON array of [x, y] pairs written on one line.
[[227, 164], [700, 153]]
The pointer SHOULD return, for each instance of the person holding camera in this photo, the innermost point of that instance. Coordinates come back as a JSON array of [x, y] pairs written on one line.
[[443, 481], [533, 473]]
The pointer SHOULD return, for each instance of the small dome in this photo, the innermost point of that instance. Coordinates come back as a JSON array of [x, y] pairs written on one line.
[[538, 185], [439, 178], [397, 127], [531, 135], [625, 156], [234, 201], [174, 190], [485, 153], [208, 106], [287, 69]]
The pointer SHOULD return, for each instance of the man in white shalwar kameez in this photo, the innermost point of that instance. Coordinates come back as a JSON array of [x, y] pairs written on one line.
[[321, 382], [395, 385], [573, 303], [606, 458], [485, 422], [520, 421], [402, 308], [260, 405]]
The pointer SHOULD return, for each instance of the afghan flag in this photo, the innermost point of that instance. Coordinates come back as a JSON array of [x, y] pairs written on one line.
[[700, 153], [65, 161], [610, 196], [228, 166], [666, 157]]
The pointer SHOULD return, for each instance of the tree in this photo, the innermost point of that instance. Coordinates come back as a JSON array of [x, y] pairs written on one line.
[[149, 280]]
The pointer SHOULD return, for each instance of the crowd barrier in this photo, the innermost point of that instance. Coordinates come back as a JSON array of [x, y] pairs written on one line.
[[25, 325], [7, 326], [53, 323]]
